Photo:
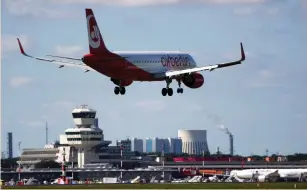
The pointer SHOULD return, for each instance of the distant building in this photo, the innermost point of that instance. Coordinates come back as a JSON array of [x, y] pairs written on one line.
[[175, 145], [126, 144], [148, 145], [137, 145], [170, 145], [96, 123], [10, 145]]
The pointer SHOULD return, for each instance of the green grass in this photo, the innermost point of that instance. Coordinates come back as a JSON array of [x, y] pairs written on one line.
[[172, 186]]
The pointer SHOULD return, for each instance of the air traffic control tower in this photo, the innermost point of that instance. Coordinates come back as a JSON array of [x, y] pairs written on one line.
[[85, 135]]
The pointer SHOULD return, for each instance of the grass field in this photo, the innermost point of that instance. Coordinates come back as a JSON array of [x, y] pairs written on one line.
[[172, 186]]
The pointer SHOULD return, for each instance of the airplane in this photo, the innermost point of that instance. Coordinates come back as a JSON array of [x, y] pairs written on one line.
[[262, 174], [125, 67]]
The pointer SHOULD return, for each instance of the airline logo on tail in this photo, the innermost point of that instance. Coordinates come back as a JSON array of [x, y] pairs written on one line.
[[93, 32]]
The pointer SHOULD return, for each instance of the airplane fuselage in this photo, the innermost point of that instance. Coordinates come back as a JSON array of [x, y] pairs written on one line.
[[139, 66]]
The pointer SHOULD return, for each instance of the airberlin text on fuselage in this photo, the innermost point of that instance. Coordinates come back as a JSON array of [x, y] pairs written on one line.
[[168, 61]]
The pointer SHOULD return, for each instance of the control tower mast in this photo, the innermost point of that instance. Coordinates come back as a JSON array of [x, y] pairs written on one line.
[[85, 135]]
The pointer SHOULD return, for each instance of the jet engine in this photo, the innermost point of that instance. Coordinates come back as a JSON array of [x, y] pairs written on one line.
[[121, 82], [194, 80]]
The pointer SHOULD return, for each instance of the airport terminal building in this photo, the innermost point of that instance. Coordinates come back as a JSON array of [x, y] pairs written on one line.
[[85, 144]]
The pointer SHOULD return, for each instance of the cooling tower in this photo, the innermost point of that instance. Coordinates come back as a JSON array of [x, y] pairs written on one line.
[[194, 141]]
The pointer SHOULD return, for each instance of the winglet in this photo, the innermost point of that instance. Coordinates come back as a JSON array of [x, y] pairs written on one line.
[[21, 48], [242, 53]]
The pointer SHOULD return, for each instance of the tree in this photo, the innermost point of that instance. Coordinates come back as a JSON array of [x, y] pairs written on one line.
[[48, 164], [9, 162]]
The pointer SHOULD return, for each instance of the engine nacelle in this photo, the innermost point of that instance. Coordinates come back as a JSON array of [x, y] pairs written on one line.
[[121, 82], [194, 80]]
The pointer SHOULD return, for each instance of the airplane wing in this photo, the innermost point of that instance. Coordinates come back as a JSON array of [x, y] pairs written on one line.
[[60, 63], [205, 68]]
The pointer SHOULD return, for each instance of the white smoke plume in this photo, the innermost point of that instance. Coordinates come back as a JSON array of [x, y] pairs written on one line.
[[225, 129], [217, 122]]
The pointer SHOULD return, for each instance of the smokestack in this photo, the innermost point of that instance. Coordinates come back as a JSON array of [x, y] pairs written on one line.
[[226, 130], [231, 144], [46, 133]]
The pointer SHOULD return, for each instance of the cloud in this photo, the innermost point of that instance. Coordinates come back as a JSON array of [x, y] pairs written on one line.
[[35, 8], [50, 8], [151, 105], [304, 4], [244, 11], [70, 50], [16, 82], [272, 11], [248, 10], [156, 2], [9, 43]]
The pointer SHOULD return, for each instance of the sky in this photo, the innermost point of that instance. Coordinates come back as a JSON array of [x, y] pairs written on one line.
[[262, 102]]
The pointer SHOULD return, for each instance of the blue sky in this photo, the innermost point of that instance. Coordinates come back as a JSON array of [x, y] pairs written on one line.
[[262, 102]]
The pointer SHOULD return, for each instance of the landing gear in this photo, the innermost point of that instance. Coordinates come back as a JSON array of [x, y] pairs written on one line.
[[179, 89], [116, 90], [122, 90], [164, 91], [167, 91], [119, 89]]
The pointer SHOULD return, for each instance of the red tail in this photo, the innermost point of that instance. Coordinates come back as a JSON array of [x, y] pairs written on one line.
[[96, 44]]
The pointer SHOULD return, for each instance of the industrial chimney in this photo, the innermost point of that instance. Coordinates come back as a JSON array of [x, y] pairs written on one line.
[[231, 144]]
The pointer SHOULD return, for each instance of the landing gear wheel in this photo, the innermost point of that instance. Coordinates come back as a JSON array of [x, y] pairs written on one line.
[[170, 91], [116, 90], [122, 90], [164, 91], [179, 90]]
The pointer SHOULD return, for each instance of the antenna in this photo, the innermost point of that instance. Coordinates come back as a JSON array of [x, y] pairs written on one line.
[[46, 133]]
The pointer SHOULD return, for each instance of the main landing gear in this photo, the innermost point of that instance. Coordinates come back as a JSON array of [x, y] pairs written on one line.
[[119, 89], [169, 91], [179, 89]]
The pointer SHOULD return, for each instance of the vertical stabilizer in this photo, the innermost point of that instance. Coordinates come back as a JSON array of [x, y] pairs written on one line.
[[96, 43]]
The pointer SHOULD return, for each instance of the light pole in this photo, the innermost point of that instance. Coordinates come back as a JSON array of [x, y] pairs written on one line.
[[19, 143], [72, 162], [163, 163], [121, 162], [203, 162], [203, 158]]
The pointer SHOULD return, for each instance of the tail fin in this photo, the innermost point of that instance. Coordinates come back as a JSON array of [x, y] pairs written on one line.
[[96, 43]]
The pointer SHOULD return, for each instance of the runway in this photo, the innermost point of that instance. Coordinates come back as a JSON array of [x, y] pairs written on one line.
[[159, 189]]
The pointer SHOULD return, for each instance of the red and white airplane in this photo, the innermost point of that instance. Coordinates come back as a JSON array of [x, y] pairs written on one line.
[[125, 67]]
